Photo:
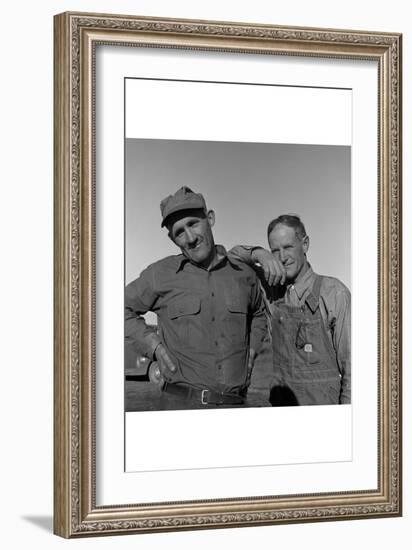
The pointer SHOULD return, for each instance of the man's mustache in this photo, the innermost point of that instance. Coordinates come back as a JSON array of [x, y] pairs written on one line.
[[194, 245]]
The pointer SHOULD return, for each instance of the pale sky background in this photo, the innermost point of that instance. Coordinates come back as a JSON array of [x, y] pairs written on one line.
[[247, 184]]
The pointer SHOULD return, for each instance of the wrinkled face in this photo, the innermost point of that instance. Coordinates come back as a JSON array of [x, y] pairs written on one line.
[[289, 250], [191, 231]]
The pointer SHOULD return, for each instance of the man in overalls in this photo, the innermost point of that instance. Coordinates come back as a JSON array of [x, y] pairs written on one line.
[[310, 319]]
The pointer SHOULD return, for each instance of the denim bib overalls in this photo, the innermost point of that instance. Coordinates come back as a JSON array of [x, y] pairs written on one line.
[[305, 364]]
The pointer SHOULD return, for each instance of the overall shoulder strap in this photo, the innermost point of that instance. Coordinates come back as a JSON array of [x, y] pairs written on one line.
[[312, 299]]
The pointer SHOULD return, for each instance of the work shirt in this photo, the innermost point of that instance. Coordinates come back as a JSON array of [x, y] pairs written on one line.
[[335, 309], [207, 318]]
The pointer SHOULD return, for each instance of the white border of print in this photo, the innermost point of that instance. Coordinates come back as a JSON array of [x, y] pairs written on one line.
[[352, 466]]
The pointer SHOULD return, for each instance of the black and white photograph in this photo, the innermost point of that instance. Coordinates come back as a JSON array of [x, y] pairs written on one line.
[[237, 266], [236, 299]]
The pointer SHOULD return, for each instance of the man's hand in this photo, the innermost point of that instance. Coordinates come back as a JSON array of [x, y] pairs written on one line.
[[164, 366], [273, 269]]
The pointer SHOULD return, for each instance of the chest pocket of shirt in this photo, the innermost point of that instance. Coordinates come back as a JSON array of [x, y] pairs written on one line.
[[236, 318], [183, 314]]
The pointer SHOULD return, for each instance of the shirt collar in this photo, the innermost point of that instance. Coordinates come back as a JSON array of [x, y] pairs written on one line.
[[220, 251], [304, 283]]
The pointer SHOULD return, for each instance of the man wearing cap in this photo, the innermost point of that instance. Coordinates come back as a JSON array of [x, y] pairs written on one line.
[[310, 320], [210, 310]]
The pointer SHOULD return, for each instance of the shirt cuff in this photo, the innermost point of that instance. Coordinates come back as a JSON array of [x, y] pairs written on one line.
[[244, 252], [251, 250]]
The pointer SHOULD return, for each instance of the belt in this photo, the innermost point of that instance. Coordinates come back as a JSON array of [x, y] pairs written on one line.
[[205, 397]]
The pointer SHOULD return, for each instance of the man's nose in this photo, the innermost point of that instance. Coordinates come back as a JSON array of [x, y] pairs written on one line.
[[282, 256], [190, 236]]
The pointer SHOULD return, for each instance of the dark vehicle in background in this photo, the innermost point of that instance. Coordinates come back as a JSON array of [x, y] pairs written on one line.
[[138, 367], [142, 388], [135, 364], [141, 378]]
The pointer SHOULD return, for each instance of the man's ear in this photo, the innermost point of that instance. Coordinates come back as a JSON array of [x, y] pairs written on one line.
[[211, 218], [169, 233], [305, 244]]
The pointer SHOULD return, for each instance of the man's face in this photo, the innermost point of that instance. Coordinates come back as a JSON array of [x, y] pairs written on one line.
[[191, 231], [289, 249]]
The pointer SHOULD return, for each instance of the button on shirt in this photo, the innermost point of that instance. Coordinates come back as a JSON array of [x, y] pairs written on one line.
[[207, 319]]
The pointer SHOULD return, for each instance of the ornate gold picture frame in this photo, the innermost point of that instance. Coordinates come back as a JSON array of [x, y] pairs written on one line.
[[77, 510]]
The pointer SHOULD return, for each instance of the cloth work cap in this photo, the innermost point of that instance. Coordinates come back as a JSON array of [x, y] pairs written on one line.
[[183, 199]]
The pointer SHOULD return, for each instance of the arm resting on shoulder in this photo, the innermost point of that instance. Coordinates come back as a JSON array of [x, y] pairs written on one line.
[[261, 259]]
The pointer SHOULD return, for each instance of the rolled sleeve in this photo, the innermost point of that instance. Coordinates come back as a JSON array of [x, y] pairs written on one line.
[[243, 253]]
